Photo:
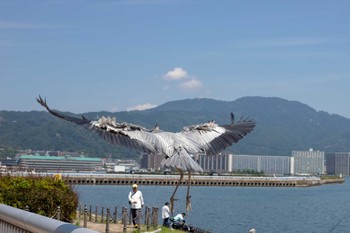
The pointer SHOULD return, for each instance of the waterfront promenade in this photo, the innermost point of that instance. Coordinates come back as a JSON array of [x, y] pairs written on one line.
[[198, 180], [113, 228]]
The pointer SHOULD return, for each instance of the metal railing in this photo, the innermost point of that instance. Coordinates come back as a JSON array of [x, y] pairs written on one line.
[[13, 220]]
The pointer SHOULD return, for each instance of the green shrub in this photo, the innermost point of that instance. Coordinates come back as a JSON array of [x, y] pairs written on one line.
[[42, 195]]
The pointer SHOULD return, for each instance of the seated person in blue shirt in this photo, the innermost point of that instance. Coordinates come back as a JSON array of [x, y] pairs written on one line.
[[179, 223]]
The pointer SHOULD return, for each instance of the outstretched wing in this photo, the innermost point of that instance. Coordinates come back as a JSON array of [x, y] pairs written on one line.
[[83, 121], [123, 134], [211, 138]]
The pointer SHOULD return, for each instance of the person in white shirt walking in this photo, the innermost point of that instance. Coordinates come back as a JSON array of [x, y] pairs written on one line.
[[136, 203], [166, 214]]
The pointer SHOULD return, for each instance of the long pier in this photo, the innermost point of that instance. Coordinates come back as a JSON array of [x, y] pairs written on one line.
[[197, 180]]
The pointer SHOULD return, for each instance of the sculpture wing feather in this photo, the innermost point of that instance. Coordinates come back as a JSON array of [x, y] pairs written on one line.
[[127, 135], [83, 121], [211, 138], [123, 134]]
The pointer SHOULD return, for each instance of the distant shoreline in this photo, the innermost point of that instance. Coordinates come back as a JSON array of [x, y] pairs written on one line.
[[171, 180], [196, 180]]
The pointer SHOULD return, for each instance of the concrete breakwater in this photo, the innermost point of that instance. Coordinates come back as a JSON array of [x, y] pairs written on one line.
[[170, 180]]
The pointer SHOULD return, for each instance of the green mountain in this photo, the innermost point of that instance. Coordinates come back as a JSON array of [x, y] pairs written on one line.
[[282, 126]]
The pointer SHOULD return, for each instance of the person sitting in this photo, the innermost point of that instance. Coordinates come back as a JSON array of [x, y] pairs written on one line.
[[180, 223], [180, 218]]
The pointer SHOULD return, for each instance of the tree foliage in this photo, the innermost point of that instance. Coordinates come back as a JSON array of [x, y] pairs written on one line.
[[7, 151], [249, 171], [42, 195]]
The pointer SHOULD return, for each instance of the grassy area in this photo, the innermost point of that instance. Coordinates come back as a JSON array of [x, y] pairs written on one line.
[[330, 177], [167, 230]]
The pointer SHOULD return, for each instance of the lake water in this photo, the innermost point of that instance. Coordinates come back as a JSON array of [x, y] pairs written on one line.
[[319, 209]]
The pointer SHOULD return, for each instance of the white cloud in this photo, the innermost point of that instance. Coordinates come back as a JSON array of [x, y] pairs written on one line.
[[141, 107], [176, 74], [184, 81], [191, 85]]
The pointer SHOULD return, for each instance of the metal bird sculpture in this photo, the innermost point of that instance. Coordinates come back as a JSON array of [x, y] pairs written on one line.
[[207, 138]]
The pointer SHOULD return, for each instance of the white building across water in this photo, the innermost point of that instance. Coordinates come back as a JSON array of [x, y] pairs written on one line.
[[280, 165], [309, 162]]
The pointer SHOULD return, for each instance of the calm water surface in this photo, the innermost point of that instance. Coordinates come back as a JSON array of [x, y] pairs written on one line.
[[319, 209]]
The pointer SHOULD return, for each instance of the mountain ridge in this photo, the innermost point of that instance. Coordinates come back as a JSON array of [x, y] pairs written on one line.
[[282, 126]]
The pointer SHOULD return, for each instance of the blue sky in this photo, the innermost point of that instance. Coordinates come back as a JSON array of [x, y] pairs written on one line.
[[133, 54]]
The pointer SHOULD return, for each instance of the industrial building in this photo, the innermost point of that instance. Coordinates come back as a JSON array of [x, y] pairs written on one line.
[[40, 163]]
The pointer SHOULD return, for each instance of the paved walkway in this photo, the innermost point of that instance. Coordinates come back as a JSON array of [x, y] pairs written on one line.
[[113, 228]]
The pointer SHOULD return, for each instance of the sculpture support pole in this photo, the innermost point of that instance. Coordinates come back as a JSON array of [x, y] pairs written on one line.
[[172, 199], [188, 196]]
